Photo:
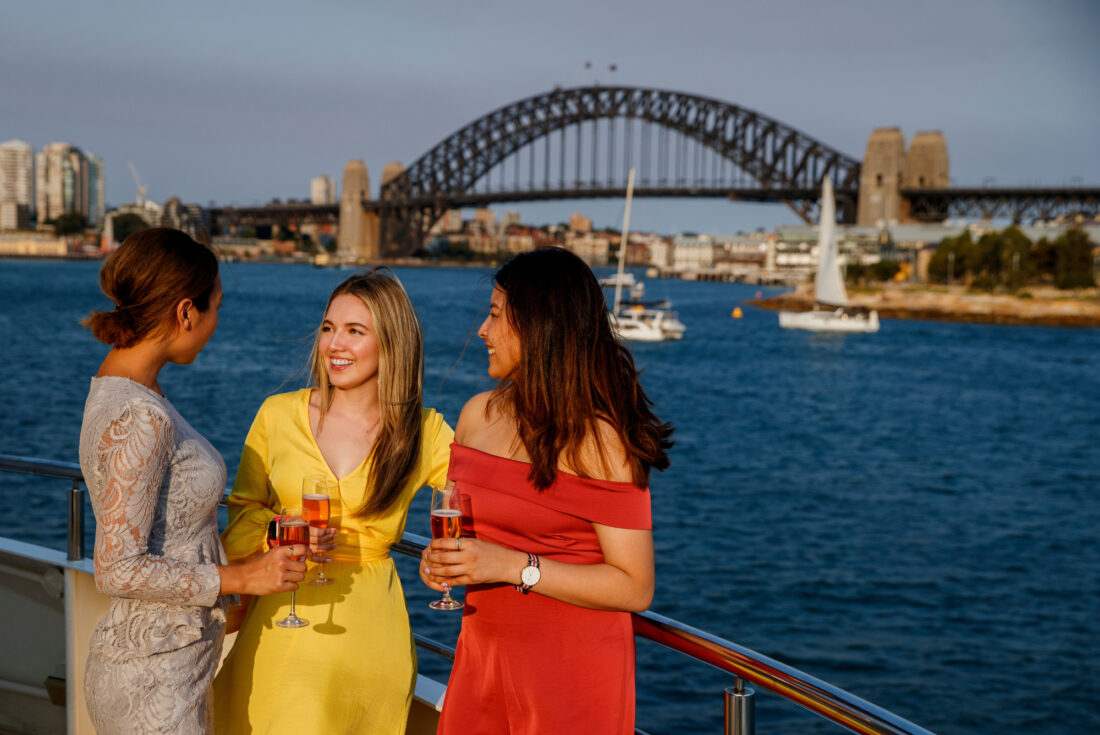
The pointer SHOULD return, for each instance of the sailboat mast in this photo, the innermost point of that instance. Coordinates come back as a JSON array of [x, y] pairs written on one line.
[[622, 241]]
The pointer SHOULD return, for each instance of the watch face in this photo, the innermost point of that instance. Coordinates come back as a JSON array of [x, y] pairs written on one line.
[[530, 576]]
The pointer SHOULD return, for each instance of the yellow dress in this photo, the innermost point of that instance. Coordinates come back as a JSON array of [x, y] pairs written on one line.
[[353, 669]]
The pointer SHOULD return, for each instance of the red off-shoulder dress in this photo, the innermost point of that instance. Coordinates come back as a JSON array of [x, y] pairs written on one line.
[[526, 663]]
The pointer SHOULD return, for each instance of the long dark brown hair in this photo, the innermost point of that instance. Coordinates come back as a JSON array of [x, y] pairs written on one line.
[[400, 384], [573, 372], [147, 276]]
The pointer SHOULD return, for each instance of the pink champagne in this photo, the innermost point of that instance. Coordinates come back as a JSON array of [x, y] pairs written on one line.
[[316, 509], [293, 531], [446, 523]]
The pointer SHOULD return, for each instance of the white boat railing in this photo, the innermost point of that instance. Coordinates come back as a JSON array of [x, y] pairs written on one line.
[[747, 666]]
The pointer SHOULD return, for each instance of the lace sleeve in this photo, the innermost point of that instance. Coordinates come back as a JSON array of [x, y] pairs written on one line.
[[135, 452]]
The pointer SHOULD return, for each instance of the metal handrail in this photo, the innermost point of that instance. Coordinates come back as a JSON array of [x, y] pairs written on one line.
[[823, 699]]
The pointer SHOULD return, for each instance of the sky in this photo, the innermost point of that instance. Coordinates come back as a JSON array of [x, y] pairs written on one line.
[[243, 101]]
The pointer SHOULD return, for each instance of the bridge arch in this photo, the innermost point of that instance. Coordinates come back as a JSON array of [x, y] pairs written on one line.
[[786, 164]]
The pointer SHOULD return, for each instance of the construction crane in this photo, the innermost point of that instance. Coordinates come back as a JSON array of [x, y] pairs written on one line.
[[137, 183]]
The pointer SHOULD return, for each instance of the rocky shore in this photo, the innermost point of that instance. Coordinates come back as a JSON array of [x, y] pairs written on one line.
[[1042, 306]]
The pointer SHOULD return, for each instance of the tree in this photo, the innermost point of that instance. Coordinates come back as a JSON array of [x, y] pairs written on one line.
[[1017, 268], [951, 259], [1073, 260], [69, 223], [127, 224]]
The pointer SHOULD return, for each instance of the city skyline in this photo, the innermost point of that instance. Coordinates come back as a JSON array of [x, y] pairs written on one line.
[[251, 103]]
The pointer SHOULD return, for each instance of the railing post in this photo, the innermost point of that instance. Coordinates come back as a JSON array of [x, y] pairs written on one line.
[[740, 709], [76, 522]]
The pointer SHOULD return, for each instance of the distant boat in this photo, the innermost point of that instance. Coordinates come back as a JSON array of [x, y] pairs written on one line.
[[638, 321], [831, 312], [625, 280]]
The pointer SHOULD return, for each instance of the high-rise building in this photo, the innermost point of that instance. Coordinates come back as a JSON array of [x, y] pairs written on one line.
[[97, 205], [322, 190], [67, 180], [16, 182]]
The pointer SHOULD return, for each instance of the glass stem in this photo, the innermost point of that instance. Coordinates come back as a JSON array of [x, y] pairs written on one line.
[[292, 613]]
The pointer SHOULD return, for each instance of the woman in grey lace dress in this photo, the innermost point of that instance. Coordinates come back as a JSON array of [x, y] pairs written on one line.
[[155, 483]]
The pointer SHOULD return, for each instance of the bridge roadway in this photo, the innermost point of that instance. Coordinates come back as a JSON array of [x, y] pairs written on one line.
[[1020, 204]]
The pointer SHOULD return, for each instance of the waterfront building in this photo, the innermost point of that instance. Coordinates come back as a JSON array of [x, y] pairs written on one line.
[[190, 218], [68, 180], [579, 223], [592, 248], [520, 240], [32, 245], [322, 190], [16, 184], [511, 218], [485, 220], [14, 216], [660, 253], [692, 253], [97, 203], [451, 220]]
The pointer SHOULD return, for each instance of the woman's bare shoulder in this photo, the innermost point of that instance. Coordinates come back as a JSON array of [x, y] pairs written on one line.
[[474, 414]]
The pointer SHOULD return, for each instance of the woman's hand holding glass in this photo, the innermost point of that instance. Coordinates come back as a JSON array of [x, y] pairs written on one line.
[[446, 564], [293, 534], [321, 506], [278, 570]]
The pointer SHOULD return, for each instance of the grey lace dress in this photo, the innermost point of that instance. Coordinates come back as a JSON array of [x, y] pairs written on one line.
[[154, 484]]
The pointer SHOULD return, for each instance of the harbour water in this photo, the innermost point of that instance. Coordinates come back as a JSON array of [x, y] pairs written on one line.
[[911, 516]]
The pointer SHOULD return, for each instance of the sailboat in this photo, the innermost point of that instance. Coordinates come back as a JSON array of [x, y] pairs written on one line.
[[639, 321], [831, 312]]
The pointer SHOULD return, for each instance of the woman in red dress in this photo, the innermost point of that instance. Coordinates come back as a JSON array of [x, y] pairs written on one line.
[[555, 464]]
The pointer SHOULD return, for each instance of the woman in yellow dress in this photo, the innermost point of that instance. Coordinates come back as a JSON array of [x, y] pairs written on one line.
[[352, 670]]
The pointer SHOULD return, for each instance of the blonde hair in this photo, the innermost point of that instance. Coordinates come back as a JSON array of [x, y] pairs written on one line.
[[400, 343]]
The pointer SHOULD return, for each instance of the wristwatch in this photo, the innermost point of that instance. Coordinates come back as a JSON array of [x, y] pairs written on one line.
[[530, 575]]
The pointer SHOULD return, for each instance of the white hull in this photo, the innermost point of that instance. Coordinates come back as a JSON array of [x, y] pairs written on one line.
[[829, 283], [647, 325], [829, 321]]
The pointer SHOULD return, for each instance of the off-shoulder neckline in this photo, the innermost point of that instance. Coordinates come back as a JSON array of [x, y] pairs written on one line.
[[561, 472]]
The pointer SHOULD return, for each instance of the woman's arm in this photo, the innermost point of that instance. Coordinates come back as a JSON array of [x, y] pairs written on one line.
[[135, 452], [623, 581]]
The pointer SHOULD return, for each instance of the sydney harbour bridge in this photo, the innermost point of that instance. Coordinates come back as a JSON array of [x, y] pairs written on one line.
[[580, 143]]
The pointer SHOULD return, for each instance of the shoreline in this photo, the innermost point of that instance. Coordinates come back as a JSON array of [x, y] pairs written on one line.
[[1047, 306]]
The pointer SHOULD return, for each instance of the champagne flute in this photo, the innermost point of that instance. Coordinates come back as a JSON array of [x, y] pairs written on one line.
[[317, 496], [293, 529], [446, 523]]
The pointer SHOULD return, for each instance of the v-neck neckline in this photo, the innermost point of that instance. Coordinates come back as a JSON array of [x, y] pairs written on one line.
[[317, 447]]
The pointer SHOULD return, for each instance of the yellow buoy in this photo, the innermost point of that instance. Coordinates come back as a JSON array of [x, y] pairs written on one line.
[[736, 312]]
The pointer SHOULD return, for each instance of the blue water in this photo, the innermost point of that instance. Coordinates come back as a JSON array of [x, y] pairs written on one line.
[[911, 516]]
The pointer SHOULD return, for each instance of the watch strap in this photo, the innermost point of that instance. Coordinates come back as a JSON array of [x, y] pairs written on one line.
[[532, 561]]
